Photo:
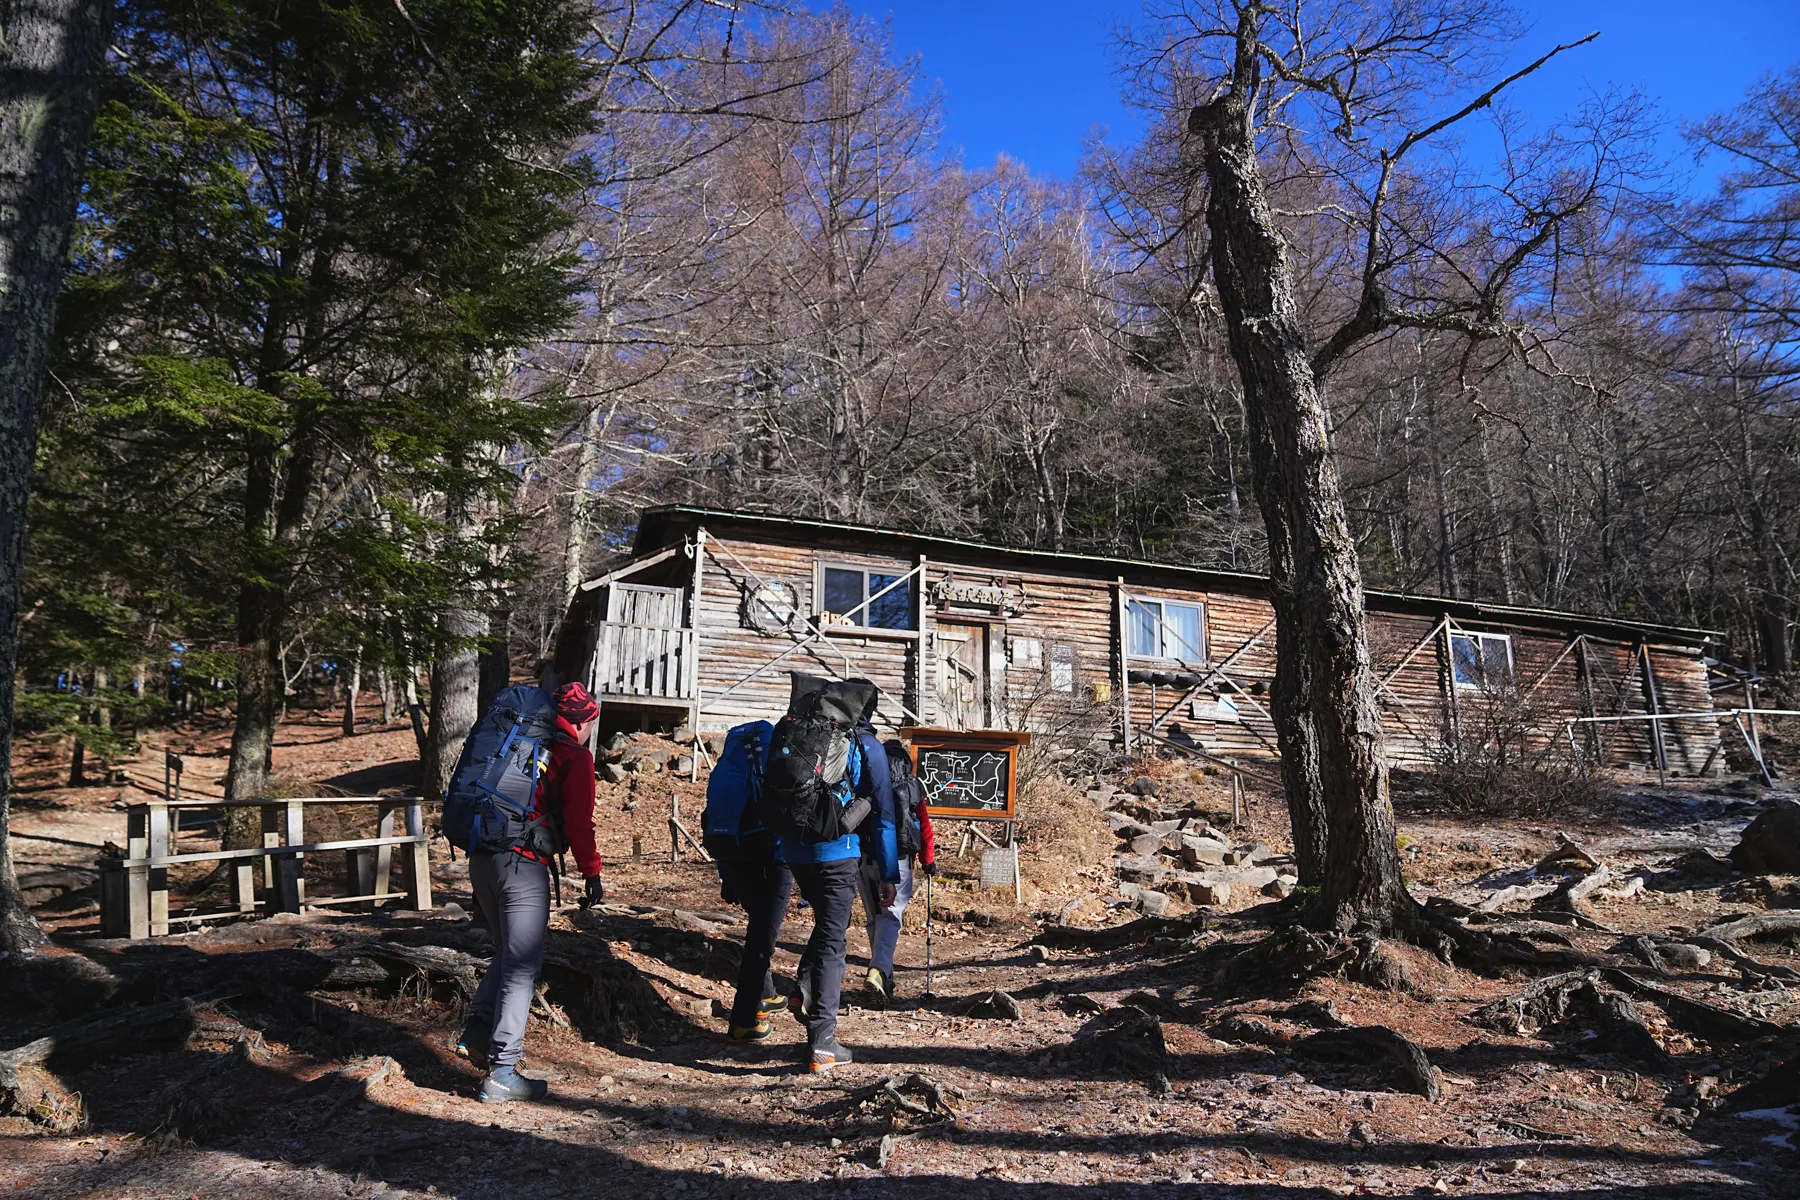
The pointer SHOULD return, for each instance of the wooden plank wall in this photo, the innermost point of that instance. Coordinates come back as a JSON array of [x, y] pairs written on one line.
[[730, 651], [1080, 614]]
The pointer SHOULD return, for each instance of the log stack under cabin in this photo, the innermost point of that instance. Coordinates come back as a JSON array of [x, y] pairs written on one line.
[[705, 620]]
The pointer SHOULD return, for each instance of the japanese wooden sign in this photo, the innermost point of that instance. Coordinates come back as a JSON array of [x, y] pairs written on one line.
[[968, 774]]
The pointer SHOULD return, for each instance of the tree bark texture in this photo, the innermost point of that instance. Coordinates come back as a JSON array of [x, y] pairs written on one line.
[[51, 53], [1327, 688], [455, 688]]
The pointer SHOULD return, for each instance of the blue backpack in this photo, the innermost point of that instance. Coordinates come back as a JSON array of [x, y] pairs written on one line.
[[490, 804], [733, 822]]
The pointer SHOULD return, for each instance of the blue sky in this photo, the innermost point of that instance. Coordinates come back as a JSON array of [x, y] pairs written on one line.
[[1030, 78]]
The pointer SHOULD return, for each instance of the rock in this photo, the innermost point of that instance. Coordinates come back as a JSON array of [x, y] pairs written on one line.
[[1142, 870], [1202, 851], [1103, 800], [614, 743], [610, 772], [1040, 954], [1146, 844], [1169, 825], [452, 912], [1703, 864], [1253, 878], [1153, 904], [1143, 785], [1130, 891], [683, 736], [643, 766], [1281, 887], [1123, 825], [682, 764], [1684, 957], [1215, 893], [1771, 843], [995, 1004]]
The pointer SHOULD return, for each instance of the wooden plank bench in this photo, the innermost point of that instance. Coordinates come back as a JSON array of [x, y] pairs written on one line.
[[134, 890]]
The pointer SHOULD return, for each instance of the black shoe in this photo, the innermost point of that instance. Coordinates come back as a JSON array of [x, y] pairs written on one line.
[[827, 1055], [770, 1006]]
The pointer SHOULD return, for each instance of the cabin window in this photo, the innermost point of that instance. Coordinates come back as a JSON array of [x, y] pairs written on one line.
[[1166, 629], [866, 596], [1481, 660]]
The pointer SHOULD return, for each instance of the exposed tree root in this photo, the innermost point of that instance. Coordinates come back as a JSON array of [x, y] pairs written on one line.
[[1718, 1025], [28, 1083], [1124, 1041], [1755, 972], [1577, 996], [1774, 924], [1117, 937], [1404, 1062]]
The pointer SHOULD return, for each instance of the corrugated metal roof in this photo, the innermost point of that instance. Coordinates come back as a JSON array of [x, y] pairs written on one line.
[[658, 527]]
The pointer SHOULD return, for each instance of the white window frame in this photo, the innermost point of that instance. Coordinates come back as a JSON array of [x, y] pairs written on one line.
[[905, 587], [1481, 685], [1166, 632]]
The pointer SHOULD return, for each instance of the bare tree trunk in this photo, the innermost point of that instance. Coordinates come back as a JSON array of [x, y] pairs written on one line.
[[1316, 578], [352, 685], [384, 684], [455, 686], [495, 670], [50, 59]]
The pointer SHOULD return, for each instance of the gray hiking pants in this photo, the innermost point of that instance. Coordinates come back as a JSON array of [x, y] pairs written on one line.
[[513, 894]]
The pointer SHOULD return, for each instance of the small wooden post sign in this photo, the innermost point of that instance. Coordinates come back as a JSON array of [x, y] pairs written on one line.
[[968, 774]]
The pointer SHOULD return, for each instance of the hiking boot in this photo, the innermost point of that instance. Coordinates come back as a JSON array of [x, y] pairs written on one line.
[[797, 1006], [770, 1006], [505, 1083], [828, 1055], [472, 1044], [878, 988], [751, 1033]]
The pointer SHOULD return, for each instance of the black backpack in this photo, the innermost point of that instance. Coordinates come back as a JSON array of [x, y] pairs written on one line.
[[804, 794], [908, 791]]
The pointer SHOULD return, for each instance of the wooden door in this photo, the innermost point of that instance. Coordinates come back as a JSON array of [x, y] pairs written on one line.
[[962, 683]]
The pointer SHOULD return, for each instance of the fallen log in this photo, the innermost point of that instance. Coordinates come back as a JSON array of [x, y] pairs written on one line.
[[1404, 1062]]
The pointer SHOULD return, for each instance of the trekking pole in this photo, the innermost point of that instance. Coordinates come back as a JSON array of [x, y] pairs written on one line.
[[928, 937]]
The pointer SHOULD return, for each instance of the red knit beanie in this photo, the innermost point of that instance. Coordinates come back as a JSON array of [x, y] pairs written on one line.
[[575, 705]]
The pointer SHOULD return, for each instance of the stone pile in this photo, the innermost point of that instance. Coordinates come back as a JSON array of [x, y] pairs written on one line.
[[1167, 850], [619, 757]]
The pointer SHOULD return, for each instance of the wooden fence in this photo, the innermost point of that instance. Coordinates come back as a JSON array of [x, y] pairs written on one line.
[[134, 890]]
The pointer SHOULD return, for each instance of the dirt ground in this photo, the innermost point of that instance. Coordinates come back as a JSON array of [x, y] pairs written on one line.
[[341, 1090]]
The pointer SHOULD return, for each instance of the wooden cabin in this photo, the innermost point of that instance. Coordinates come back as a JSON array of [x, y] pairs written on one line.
[[704, 622]]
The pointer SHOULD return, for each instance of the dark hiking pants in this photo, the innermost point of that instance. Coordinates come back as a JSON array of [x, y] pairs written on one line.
[[763, 889], [513, 894], [830, 888]]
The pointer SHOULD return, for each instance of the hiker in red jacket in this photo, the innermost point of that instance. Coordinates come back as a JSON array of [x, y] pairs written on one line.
[[512, 890]]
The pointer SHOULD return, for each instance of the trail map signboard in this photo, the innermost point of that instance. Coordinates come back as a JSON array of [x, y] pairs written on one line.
[[968, 774]]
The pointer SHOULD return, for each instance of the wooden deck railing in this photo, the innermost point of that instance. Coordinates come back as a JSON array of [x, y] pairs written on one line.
[[134, 890], [644, 660]]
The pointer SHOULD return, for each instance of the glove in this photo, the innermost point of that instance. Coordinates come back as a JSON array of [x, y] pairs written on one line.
[[595, 892], [929, 868]]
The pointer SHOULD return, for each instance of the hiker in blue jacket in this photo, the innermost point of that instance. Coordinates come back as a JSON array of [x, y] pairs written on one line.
[[826, 875]]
